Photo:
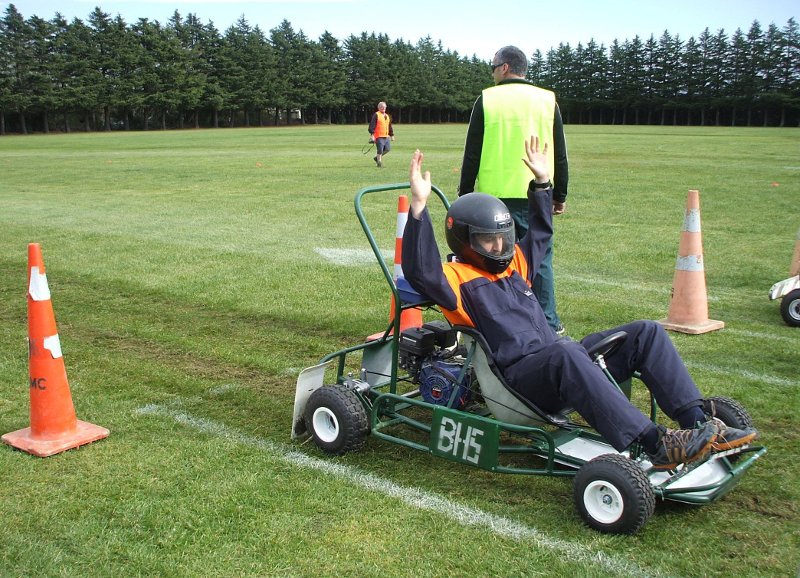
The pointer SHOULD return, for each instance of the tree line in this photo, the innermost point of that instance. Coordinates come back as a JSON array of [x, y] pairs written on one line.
[[106, 74]]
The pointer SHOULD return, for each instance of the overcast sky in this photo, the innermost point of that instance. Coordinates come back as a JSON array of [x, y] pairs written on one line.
[[467, 26]]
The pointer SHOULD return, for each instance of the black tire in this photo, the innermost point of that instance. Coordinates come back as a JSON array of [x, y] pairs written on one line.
[[613, 494], [790, 308], [728, 410], [336, 419]]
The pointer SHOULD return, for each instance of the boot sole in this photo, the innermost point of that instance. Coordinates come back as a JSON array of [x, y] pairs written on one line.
[[721, 444]]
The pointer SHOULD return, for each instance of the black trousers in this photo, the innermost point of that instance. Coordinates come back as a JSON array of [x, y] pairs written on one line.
[[563, 375]]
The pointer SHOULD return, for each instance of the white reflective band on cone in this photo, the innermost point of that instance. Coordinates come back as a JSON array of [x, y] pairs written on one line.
[[690, 263], [53, 345], [38, 289], [402, 219], [691, 222]]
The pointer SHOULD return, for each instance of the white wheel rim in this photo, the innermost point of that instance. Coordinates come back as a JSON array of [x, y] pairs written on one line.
[[326, 426], [794, 309], [603, 502]]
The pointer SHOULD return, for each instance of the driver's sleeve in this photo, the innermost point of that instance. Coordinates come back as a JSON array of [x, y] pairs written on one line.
[[540, 228], [422, 264]]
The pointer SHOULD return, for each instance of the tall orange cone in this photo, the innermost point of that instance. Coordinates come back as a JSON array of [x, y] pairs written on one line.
[[408, 317], [795, 268], [688, 306], [54, 427]]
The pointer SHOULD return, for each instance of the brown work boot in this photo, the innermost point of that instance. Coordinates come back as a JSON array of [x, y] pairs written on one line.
[[729, 438], [682, 446]]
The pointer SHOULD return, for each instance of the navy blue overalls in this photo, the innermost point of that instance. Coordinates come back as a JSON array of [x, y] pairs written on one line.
[[552, 372]]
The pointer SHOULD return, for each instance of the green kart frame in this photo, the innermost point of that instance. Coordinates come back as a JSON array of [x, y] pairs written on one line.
[[366, 390]]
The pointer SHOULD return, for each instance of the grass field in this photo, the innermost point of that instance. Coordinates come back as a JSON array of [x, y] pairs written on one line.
[[195, 273]]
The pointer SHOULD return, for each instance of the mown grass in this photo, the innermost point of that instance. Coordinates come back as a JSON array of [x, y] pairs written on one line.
[[192, 280]]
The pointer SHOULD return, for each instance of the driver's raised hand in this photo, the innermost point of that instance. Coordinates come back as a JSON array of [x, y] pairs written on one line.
[[420, 184]]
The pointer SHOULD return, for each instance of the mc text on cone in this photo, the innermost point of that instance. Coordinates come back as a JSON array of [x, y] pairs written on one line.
[[688, 306], [54, 427]]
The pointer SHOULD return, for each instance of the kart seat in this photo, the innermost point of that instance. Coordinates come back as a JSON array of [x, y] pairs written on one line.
[[505, 403]]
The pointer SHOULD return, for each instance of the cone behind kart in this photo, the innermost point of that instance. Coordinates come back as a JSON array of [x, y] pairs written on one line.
[[688, 307], [795, 268], [54, 427], [408, 317]]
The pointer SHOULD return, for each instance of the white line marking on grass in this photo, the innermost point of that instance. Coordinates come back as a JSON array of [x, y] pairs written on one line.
[[415, 497], [350, 257], [627, 286], [581, 279], [222, 389], [757, 335], [743, 373]]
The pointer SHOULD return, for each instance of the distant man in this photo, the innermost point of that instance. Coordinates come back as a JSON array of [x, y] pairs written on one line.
[[380, 127]]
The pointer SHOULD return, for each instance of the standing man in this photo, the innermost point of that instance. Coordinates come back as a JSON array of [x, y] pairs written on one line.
[[380, 127], [502, 118]]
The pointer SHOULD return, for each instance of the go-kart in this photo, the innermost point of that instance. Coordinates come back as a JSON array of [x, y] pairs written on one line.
[[788, 291], [435, 388]]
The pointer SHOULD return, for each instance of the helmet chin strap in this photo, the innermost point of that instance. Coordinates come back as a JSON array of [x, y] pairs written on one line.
[[484, 262], [495, 267]]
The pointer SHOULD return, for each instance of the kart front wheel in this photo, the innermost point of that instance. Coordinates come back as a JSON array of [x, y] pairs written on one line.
[[613, 494], [729, 411], [336, 419], [790, 308]]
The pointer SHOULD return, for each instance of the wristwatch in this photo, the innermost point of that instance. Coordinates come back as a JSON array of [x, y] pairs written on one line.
[[546, 185]]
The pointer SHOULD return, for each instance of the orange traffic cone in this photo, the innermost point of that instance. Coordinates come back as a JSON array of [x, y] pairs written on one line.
[[795, 268], [54, 427], [688, 306], [408, 317]]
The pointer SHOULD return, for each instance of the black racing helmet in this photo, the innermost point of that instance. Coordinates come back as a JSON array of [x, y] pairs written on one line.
[[480, 231]]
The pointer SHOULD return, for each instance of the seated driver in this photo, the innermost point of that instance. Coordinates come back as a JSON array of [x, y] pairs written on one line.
[[489, 287]]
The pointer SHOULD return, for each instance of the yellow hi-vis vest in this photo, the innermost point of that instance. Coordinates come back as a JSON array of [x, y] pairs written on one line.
[[511, 114]]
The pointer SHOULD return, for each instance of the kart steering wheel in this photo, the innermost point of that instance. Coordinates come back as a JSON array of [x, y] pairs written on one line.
[[607, 346]]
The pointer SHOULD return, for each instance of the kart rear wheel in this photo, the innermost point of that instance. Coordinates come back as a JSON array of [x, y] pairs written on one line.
[[613, 494], [336, 419], [790, 308]]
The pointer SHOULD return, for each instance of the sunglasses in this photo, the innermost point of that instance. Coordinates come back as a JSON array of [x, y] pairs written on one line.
[[495, 66]]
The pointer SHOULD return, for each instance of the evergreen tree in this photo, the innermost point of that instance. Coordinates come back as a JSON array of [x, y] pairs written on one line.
[[330, 78], [17, 58], [40, 79], [193, 73]]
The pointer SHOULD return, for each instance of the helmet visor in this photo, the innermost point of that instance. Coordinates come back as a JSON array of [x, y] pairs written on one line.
[[494, 244]]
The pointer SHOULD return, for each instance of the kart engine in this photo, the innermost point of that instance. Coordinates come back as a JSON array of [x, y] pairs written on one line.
[[428, 354]]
